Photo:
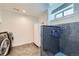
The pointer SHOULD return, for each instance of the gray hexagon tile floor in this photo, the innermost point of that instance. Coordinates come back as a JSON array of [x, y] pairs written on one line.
[[25, 50]]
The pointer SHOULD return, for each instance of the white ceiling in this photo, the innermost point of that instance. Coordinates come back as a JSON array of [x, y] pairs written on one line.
[[32, 9]]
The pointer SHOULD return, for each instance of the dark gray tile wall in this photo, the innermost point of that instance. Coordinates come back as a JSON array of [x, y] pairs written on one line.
[[51, 40], [70, 41], [67, 40], [64, 36]]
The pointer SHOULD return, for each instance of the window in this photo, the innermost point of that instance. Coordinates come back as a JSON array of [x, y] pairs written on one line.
[[59, 15], [68, 12], [63, 10]]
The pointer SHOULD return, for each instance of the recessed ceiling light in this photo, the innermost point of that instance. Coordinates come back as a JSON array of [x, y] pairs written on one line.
[[23, 11], [16, 9]]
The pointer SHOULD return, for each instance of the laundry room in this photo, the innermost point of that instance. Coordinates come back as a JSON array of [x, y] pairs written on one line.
[[21, 20], [39, 29]]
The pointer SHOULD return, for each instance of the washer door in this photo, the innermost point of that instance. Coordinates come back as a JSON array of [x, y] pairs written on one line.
[[5, 46]]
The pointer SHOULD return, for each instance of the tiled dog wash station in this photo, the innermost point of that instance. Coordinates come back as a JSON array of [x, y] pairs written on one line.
[[61, 39]]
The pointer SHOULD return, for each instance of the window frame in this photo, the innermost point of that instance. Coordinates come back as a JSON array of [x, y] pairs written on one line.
[[62, 11]]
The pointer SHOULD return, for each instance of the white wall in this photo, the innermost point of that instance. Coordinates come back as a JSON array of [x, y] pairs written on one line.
[[21, 26], [43, 18], [67, 19], [37, 35], [76, 8]]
